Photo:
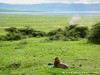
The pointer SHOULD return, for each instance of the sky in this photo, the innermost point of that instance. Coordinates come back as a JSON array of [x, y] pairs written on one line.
[[48, 1]]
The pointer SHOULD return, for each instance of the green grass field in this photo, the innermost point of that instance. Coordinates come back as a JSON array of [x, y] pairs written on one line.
[[43, 20], [34, 54]]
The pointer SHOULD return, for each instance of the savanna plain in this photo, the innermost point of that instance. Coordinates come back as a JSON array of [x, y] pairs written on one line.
[[32, 55]]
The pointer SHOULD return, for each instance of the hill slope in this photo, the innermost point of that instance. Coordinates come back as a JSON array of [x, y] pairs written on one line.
[[50, 7]]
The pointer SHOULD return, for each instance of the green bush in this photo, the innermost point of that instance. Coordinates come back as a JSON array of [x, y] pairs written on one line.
[[26, 31], [11, 29], [72, 32], [13, 36], [94, 35], [38, 34], [82, 31], [17, 34], [54, 32], [75, 32], [72, 35], [56, 37], [30, 32], [71, 27], [2, 38]]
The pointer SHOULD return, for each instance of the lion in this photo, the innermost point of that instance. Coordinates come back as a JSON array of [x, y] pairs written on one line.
[[58, 64]]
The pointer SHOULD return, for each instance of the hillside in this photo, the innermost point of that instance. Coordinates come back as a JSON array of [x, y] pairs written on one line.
[[50, 7]]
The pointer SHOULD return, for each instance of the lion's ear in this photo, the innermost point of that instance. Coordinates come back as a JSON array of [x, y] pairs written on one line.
[[57, 58]]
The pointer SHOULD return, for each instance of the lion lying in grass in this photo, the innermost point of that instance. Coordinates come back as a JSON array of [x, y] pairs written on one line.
[[58, 64]]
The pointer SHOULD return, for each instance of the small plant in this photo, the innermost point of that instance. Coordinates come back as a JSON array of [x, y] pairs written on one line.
[[14, 65]]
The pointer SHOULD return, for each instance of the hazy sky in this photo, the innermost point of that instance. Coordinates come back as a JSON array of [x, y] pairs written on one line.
[[48, 1]]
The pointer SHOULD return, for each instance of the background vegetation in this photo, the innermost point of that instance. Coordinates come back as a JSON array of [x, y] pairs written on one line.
[[94, 35]]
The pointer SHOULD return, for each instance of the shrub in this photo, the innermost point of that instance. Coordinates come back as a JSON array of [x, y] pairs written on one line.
[[17, 34], [26, 31], [56, 37], [82, 30], [11, 29], [30, 32], [38, 34], [72, 32], [94, 35], [71, 27], [72, 35], [13, 36], [75, 32], [54, 32], [2, 38]]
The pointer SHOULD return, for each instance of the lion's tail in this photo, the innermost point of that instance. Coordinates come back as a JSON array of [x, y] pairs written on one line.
[[50, 64]]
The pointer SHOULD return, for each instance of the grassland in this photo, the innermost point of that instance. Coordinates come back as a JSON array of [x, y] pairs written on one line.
[[34, 54], [43, 20]]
